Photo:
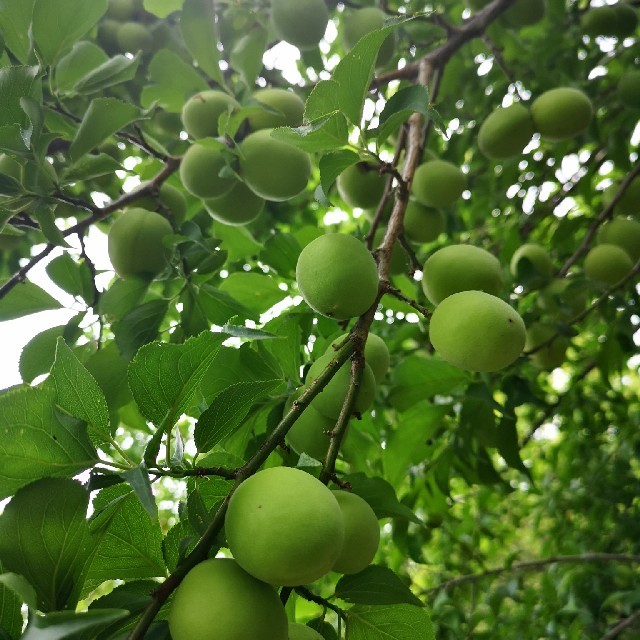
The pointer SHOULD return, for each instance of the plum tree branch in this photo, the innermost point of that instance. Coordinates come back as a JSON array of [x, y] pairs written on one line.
[[622, 625]]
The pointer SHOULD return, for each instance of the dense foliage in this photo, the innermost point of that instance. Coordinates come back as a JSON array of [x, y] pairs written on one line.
[[234, 339]]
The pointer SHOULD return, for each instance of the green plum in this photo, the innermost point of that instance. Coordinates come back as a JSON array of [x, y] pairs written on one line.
[[423, 224], [438, 183], [376, 354], [561, 113], [538, 261], [399, 260], [623, 232], [302, 632], [550, 355], [201, 112], [607, 264], [310, 432], [629, 89], [301, 23], [200, 172], [169, 198], [358, 23], [133, 37], [237, 207], [288, 105], [361, 185], [506, 132]]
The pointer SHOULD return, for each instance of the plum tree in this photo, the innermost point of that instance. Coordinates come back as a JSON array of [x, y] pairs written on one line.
[[538, 261], [332, 286], [361, 185], [359, 22], [476, 331], [288, 108], [361, 533], [217, 598], [202, 111], [376, 354], [200, 172], [506, 132], [561, 113], [438, 183], [423, 224], [310, 432], [300, 22], [272, 169], [284, 527], [302, 632], [237, 207], [629, 89], [607, 264], [548, 347], [460, 267], [136, 243], [133, 37], [330, 400], [623, 232]]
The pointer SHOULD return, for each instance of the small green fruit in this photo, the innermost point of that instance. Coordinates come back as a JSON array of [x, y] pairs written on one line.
[[629, 203], [629, 89], [423, 224], [200, 172], [361, 185], [237, 207], [359, 22], [438, 183], [290, 108], [622, 232], [218, 599], [309, 433], [201, 112], [135, 243], [460, 267], [539, 260], [302, 632], [120, 10], [337, 276], [550, 356], [618, 21], [607, 264], [361, 533], [476, 331], [169, 198], [330, 400], [284, 527], [376, 354], [562, 113], [107, 35], [273, 169], [506, 132], [301, 23], [133, 37]]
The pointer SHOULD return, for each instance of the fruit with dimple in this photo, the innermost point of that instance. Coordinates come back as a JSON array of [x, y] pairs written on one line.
[[133, 37], [438, 183], [273, 169], [218, 599], [168, 198], [622, 232], [607, 264], [506, 132], [421, 223], [288, 105], [361, 185], [376, 354], [201, 112], [538, 261], [476, 331], [561, 113], [301, 23], [284, 527], [337, 276], [237, 207], [302, 632], [200, 172], [359, 22], [629, 89], [309, 433], [552, 354], [330, 400], [135, 243], [361, 533], [460, 267]]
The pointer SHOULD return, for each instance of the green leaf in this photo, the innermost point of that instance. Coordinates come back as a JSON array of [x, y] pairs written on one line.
[[78, 392], [237, 331], [255, 291], [281, 252], [47, 220], [139, 327], [44, 537], [9, 186], [20, 586], [37, 443], [91, 166], [394, 622], [15, 23], [83, 58], [138, 478], [228, 410], [197, 23], [122, 296], [73, 277], [11, 586], [114, 71], [173, 82], [32, 132], [162, 8], [205, 495], [290, 328], [375, 585], [508, 446], [323, 134], [246, 55], [58, 24], [164, 377], [16, 83], [332, 165], [102, 119], [39, 353], [68, 625], [414, 99]]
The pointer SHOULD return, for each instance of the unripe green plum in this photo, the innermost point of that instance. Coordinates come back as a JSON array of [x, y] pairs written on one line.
[[629, 89], [273, 169], [330, 400], [361, 185], [337, 276], [524, 13], [302, 632], [218, 599], [237, 207], [607, 264], [289, 105], [359, 22], [629, 203], [376, 354], [134, 37], [201, 112], [539, 259], [121, 10], [561, 300], [301, 23], [617, 21], [309, 433], [423, 224], [438, 183], [460, 267], [506, 132], [135, 243], [476, 331], [561, 113], [551, 355], [169, 198], [399, 260], [199, 172], [167, 123], [284, 527], [622, 232], [361, 533], [107, 35]]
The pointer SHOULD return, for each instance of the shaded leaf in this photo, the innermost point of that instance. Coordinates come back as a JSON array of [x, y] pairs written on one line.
[[375, 585], [394, 622]]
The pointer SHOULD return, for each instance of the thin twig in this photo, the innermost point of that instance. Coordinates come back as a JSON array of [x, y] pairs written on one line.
[[624, 624], [396, 293]]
